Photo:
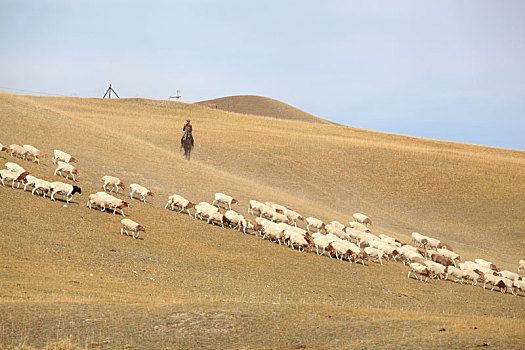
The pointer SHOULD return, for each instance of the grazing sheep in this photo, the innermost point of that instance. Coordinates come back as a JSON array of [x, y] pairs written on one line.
[[486, 263], [63, 156], [296, 240], [176, 201], [510, 275], [132, 226], [468, 265], [419, 239], [390, 240], [389, 250], [418, 269], [35, 153], [454, 271], [236, 219], [68, 169], [358, 226], [437, 269], [18, 151], [113, 181], [203, 210], [274, 232], [293, 216], [64, 189], [338, 232], [270, 214], [363, 219], [114, 202], [323, 242], [472, 276], [143, 191], [256, 206], [318, 224], [222, 198], [342, 250], [218, 219], [97, 202], [449, 254], [14, 168], [521, 265], [43, 185], [8, 175], [433, 243], [337, 224], [376, 253]]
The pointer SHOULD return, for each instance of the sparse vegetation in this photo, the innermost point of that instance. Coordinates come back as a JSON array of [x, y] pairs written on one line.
[[68, 279]]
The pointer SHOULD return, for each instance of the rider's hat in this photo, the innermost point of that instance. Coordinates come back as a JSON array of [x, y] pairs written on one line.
[[188, 120]]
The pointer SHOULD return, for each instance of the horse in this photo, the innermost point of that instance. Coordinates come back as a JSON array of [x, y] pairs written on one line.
[[187, 144]]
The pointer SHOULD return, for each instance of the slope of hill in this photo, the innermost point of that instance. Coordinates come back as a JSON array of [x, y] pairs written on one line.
[[262, 106], [67, 275]]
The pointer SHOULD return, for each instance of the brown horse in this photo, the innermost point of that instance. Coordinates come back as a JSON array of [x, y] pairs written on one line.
[[187, 144]]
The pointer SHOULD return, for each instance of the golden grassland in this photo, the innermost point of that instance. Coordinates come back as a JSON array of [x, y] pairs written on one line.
[[68, 279]]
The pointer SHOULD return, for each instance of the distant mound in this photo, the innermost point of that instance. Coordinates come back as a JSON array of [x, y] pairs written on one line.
[[262, 106]]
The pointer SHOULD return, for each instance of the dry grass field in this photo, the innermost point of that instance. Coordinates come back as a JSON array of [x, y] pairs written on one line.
[[68, 279]]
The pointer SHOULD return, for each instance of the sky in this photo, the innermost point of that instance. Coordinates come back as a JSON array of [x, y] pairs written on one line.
[[449, 70]]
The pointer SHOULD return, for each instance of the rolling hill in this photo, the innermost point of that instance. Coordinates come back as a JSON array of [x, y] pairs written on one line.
[[67, 277], [261, 106]]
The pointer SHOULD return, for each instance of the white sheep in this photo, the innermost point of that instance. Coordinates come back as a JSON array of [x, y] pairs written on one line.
[[376, 253], [486, 263], [217, 218], [437, 269], [175, 201], [296, 240], [336, 231], [388, 249], [270, 214], [18, 151], [521, 265], [433, 243], [318, 224], [63, 156], [274, 232], [64, 189], [8, 175], [35, 153], [68, 169], [454, 271], [112, 181], [130, 225], [419, 239], [143, 191], [342, 251], [510, 275], [322, 242], [15, 168], [255, 206], [222, 198], [114, 202], [43, 185], [236, 219], [472, 276], [94, 200], [204, 210], [449, 254], [358, 226], [390, 240], [418, 269], [363, 219]]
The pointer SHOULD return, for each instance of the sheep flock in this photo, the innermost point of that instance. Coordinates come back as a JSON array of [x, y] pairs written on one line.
[[426, 258]]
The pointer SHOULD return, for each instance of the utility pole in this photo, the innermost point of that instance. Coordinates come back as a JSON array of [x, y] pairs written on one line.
[[108, 92]]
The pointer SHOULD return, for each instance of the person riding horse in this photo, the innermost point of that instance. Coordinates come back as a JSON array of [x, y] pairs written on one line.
[[187, 128]]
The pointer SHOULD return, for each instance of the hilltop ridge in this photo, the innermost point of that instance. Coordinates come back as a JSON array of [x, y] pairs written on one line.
[[261, 106]]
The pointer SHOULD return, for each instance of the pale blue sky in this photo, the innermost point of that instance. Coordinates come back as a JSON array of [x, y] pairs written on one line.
[[451, 70]]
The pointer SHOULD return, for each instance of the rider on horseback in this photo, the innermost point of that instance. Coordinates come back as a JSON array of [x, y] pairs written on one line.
[[187, 128]]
